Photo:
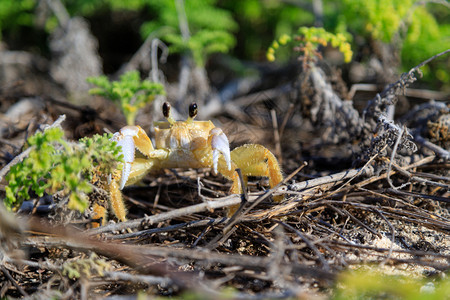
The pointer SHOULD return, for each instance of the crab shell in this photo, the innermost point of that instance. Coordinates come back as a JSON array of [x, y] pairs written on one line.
[[183, 144], [183, 140]]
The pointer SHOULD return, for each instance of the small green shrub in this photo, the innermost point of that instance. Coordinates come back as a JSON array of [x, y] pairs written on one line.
[[130, 92], [210, 28], [308, 41], [418, 29], [379, 18], [85, 267], [57, 165]]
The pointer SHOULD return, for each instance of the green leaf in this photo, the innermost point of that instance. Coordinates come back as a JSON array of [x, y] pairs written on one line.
[[78, 202], [130, 92], [54, 164]]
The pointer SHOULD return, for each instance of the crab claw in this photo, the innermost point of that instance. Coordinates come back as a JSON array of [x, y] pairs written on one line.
[[124, 138], [220, 144]]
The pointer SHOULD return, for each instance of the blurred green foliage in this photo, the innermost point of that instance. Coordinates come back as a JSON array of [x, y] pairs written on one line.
[[380, 19], [210, 27], [85, 268], [307, 43], [262, 21], [15, 13], [371, 284], [89, 7], [419, 29], [56, 165], [130, 92], [426, 37]]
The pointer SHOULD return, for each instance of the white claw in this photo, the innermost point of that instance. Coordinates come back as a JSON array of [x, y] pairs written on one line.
[[220, 144], [125, 174], [124, 138]]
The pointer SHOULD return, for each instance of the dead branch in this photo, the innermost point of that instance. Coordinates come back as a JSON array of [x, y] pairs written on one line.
[[142, 253], [445, 154]]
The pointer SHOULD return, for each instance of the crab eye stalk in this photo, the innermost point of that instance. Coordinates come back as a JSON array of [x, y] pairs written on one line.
[[166, 112], [193, 110], [166, 109]]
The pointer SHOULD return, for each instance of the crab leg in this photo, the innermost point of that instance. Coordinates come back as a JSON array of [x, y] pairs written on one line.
[[253, 160], [117, 204], [99, 210], [256, 160]]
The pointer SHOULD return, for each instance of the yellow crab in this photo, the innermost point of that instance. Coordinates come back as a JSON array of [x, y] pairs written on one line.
[[184, 144]]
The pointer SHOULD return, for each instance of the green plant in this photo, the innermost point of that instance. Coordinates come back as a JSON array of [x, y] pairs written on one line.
[[54, 164], [371, 284], [210, 28], [425, 37], [308, 41], [379, 18], [260, 21], [89, 7], [130, 92], [418, 29], [86, 267], [15, 13]]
